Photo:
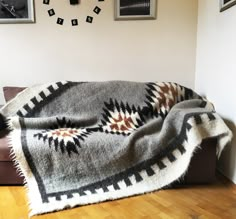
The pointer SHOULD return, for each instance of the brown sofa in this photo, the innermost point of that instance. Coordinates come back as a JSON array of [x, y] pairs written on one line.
[[201, 169], [8, 173]]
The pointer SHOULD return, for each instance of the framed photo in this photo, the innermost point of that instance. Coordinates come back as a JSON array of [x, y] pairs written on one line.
[[135, 9], [16, 11], [225, 4]]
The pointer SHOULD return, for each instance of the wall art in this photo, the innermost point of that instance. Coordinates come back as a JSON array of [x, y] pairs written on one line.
[[135, 9], [16, 11], [226, 4]]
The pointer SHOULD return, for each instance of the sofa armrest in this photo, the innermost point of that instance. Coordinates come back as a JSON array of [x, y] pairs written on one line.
[[202, 167], [203, 164]]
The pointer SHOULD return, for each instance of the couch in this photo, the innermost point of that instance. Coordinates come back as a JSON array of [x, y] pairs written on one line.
[[201, 169]]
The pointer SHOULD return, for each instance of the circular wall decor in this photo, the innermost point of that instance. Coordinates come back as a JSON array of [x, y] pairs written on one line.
[[73, 21]]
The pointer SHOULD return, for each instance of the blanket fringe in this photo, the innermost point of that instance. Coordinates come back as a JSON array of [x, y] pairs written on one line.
[[16, 164]]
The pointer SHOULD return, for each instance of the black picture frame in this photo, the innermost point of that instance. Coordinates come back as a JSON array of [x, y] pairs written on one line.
[[226, 4], [16, 11], [135, 9]]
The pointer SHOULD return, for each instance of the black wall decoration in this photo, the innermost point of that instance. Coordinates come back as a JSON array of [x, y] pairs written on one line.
[[74, 21]]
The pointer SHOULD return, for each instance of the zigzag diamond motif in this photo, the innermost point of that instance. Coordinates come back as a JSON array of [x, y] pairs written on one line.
[[120, 118], [161, 97], [64, 135]]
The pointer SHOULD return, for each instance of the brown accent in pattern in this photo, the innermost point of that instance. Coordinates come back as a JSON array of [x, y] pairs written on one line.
[[122, 127], [65, 132], [168, 96]]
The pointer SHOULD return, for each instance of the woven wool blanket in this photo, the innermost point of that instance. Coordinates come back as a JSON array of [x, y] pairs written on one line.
[[85, 142]]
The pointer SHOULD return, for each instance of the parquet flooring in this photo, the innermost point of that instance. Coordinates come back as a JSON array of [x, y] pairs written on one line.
[[195, 202]]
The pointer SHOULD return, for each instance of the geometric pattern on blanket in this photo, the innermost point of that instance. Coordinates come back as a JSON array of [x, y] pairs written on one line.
[[64, 135], [84, 142], [118, 118]]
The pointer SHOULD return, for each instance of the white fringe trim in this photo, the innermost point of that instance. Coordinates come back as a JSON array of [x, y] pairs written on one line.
[[19, 161]]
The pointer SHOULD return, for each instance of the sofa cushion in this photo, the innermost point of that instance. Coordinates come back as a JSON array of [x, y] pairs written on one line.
[[11, 91]]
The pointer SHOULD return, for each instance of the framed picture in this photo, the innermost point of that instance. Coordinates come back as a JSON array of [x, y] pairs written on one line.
[[135, 9], [16, 11], [225, 4]]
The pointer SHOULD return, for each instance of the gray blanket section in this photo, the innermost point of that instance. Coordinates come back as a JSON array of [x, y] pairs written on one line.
[[86, 100]]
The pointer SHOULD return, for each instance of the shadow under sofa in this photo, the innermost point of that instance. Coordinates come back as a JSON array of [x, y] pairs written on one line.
[[201, 169]]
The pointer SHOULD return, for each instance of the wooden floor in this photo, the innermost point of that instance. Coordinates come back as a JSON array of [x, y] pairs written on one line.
[[211, 201]]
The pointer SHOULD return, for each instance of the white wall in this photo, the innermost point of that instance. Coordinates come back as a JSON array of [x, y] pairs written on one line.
[[216, 69], [153, 50]]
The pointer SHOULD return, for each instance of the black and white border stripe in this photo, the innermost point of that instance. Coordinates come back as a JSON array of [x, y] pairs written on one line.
[[43, 97]]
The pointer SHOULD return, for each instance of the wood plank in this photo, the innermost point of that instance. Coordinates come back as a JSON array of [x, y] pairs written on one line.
[[200, 202]]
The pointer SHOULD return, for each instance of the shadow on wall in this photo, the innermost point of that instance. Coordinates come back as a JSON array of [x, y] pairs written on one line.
[[227, 161]]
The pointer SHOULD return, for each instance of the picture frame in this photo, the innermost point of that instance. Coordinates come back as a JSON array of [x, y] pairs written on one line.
[[16, 11], [135, 9], [226, 4]]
